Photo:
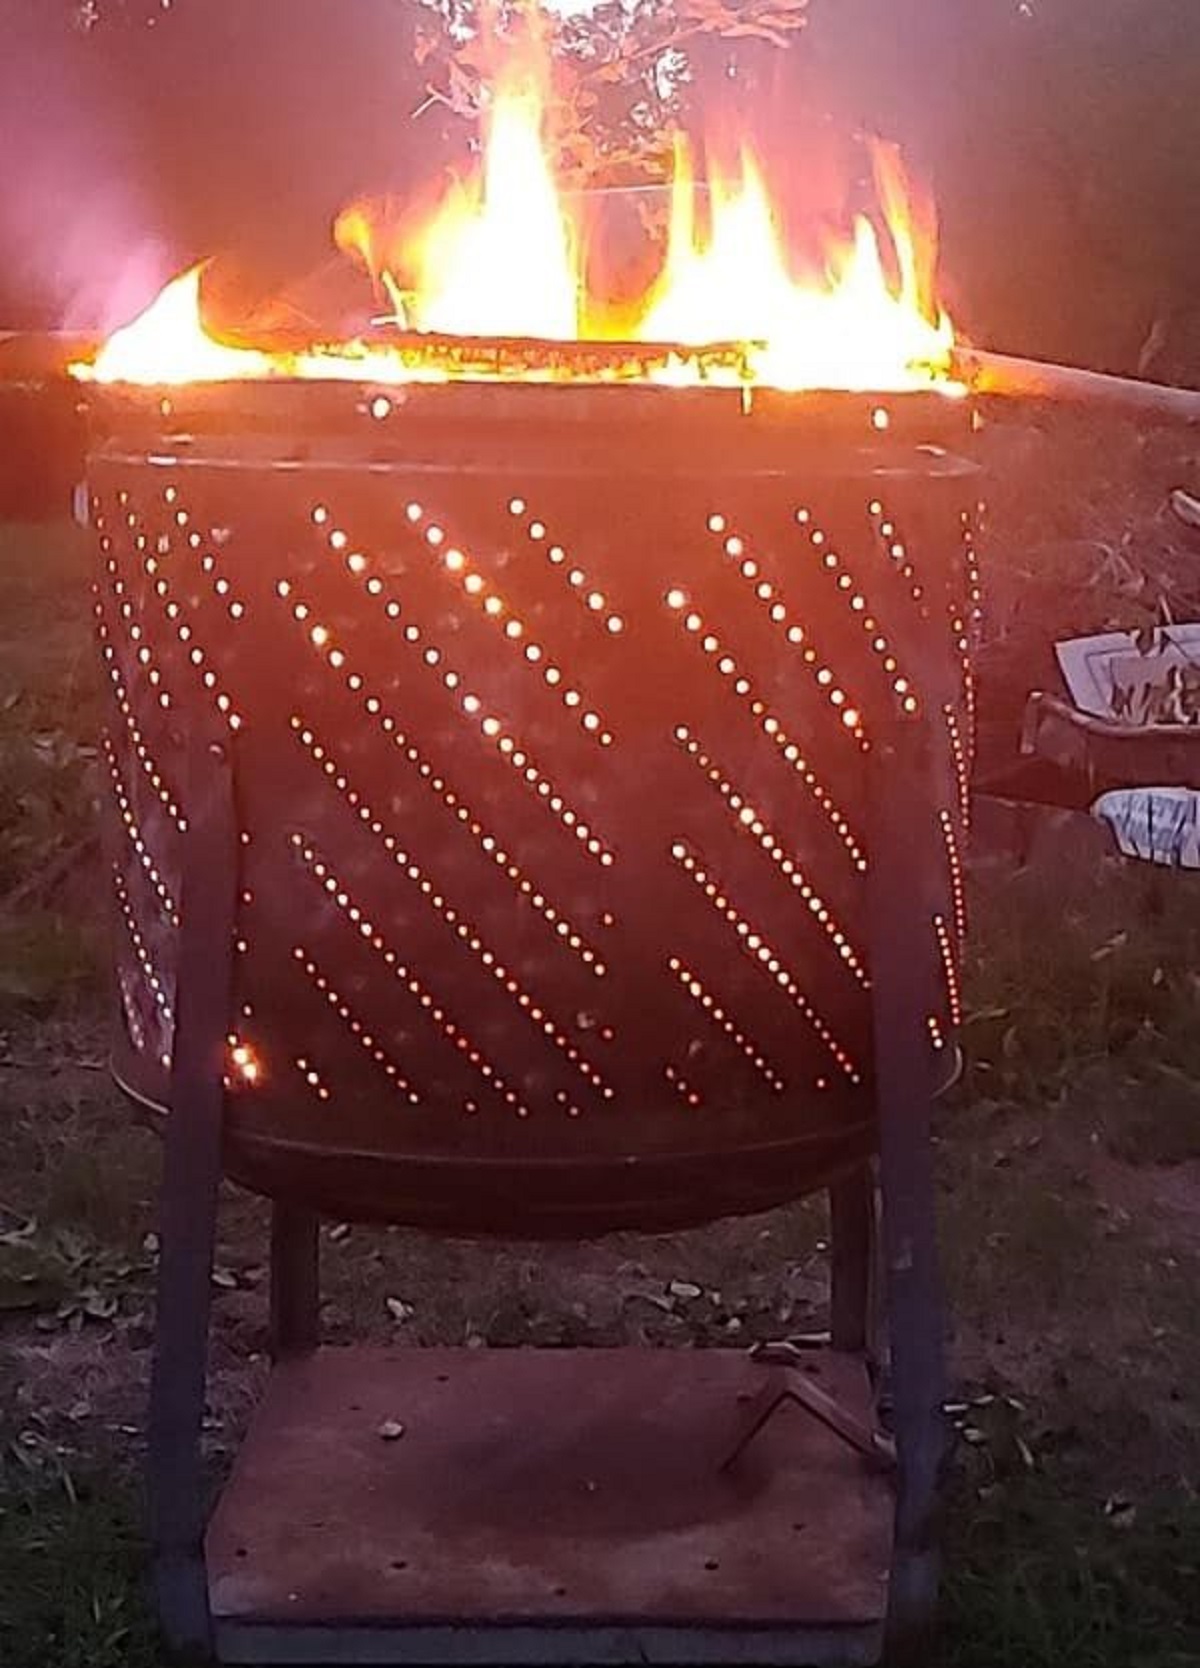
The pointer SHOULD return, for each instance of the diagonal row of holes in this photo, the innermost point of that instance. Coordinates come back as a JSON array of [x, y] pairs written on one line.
[[463, 570], [719, 1015], [166, 798], [768, 598], [468, 704], [141, 752], [321, 754], [362, 1035], [535, 1011], [172, 609], [961, 762], [949, 960], [686, 1090], [138, 942], [450, 1029], [767, 721], [748, 820], [754, 943], [588, 595], [136, 838], [142, 657], [961, 608]]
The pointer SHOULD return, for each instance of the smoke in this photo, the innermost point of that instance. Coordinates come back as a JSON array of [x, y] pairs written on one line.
[[79, 247]]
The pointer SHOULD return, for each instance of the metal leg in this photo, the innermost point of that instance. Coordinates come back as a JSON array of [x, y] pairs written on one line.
[[295, 1279], [902, 951], [191, 1174], [851, 1216]]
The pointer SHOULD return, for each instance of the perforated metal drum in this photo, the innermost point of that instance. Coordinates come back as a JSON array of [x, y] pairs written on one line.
[[551, 714]]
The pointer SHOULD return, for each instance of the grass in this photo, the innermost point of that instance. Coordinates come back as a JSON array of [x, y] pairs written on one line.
[[1098, 967], [1045, 1577], [1070, 1217], [73, 1563], [48, 785]]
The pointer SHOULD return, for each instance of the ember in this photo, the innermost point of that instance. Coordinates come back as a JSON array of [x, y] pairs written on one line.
[[501, 257]]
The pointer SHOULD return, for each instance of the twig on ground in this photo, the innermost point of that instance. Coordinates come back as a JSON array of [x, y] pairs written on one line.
[[1186, 506]]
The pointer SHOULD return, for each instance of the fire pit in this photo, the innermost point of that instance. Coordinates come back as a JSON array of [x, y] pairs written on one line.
[[540, 766], [545, 717], [537, 810]]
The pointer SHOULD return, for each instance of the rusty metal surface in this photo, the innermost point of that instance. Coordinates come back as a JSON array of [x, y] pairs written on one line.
[[546, 1487], [549, 741]]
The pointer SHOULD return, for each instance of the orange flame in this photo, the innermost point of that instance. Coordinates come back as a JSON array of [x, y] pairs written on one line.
[[355, 232], [855, 331], [500, 256], [169, 344]]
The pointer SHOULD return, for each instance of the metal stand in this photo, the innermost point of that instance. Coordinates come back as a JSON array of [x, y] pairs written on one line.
[[523, 1505], [191, 1176], [295, 1280], [852, 1254], [900, 795]]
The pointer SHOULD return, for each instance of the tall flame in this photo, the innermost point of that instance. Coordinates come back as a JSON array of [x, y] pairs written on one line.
[[500, 256], [855, 331]]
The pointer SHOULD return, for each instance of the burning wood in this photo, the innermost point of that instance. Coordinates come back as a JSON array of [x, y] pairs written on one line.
[[438, 355]]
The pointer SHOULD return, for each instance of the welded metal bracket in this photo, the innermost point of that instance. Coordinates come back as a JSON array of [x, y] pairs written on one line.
[[788, 1384]]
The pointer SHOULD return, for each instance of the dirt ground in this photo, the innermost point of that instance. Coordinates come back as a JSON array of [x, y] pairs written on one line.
[[1069, 1161]]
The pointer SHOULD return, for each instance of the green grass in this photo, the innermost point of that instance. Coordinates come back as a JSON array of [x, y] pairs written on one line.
[[1073, 1525], [1045, 1575], [1085, 994], [72, 1569]]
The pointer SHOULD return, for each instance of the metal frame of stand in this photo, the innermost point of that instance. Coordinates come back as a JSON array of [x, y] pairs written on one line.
[[911, 1297]]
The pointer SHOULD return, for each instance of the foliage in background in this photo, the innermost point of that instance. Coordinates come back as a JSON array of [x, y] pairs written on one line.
[[1062, 139], [624, 73]]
